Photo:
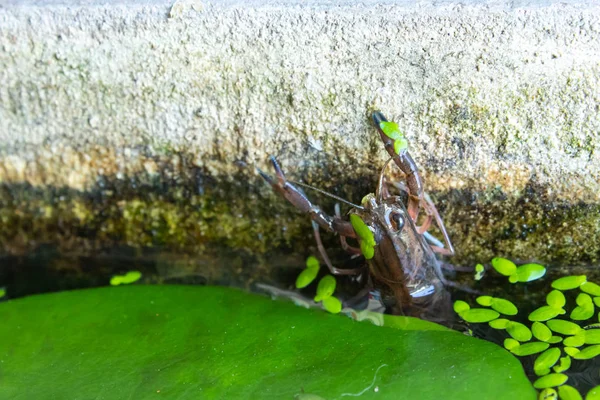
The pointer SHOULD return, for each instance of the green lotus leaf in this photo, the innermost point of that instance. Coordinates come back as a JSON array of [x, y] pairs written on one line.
[[588, 352], [400, 145], [391, 130], [593, 394], [546, 360], [590, 288], [129, 342], [306, 277], [504, 266], [460, 306], [529, 272], [362, 230], [563, 327], [479, 315], [504, 306], [592, 336], [332, 304], [548, 394], [500, 323], [528, 349], [511, 344], [550, 380], [554, 340], [485, 301], [571, 350], [541, 331], [563, 365], [518, 331], [544, 313], [367, 250], [566, 392], [325, 288], [569, 282], [312, 263], [556, 299], [581, 313], [576, 340]]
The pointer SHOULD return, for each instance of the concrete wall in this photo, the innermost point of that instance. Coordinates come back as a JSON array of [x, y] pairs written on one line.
[[499, 101]]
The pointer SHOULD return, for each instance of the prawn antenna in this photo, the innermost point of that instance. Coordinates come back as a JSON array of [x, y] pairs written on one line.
[[304, 185]]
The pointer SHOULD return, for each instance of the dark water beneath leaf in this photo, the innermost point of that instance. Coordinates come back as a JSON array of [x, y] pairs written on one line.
[[48, 270]]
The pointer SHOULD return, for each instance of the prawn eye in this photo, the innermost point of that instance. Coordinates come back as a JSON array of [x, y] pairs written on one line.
[[397, 221]]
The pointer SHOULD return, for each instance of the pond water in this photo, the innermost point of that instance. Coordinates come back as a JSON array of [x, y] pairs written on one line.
[[47, 270]]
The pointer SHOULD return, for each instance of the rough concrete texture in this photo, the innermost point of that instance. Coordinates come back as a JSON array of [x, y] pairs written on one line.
[[499, 101]]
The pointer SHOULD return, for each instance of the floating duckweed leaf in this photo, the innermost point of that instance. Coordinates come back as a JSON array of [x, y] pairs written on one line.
[[575, 341], [528, 349], [593, 326], [548, 394], [584, 299], [332, 304], [590, 288], [511, 344], [546, 360], [554, 340], [2, 292], [563, 365], [597, 301], [572, 351], [550, 380], [556, 299], [569, 282], [544, 313], [529, 272], [518, 331], [541, 331], [485, 301], [592, 336], [400, 145], [563, 327], [566, 392], [306, 277], [390, 129], [504, 306], [479, 272], [366, 198], [478, 315], [461, 306], [367, 250], [581, 313], [504, 266], [593, 394], [130, 277], [362, 230], [326, 287], [588, 352], [500, 323], [312, 263]]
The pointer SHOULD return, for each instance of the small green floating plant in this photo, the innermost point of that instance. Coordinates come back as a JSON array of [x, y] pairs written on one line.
[[557, 341], [130, 277], [325, 288]]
